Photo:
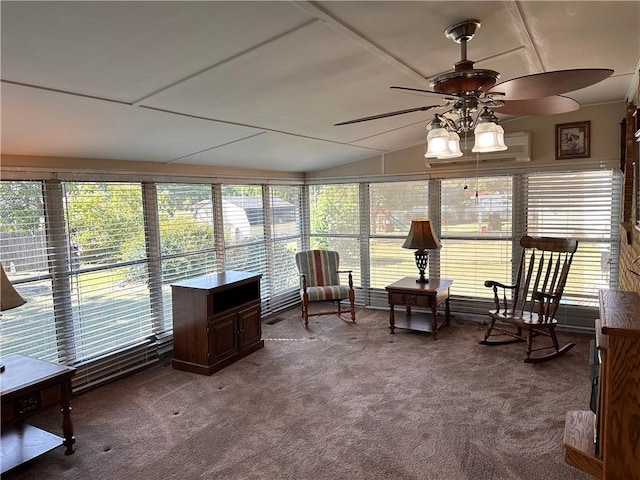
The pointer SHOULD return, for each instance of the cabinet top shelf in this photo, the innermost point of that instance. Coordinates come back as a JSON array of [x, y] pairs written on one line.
[[620, 312], [217, 280]]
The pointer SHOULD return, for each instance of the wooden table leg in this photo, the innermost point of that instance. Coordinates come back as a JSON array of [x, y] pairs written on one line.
[[392, 319], [434, 320], [447, 312]]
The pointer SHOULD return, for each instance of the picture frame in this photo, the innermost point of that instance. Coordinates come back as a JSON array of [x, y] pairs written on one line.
[[573, 140]]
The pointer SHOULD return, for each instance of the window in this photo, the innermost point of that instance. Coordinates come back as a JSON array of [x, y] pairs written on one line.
[[476, 233], [392, 206], [244, 231], [581, 205], [186, 237], [285, 240], [335, 223], [24, 251]]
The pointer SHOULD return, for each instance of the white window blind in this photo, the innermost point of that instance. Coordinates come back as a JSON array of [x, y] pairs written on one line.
[[24, 252], [476, 233], [186, 230], [335, 224], [392, 206], [285, 241], [244, 231], [109, 287], [585, 206]]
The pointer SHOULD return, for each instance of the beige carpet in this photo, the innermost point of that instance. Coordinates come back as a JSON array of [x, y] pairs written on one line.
[[337, 401]]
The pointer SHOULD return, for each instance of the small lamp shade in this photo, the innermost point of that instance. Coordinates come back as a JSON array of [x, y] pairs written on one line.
[[437, 143], [421, 235], [486, 134], [9, 298], [422, 238]]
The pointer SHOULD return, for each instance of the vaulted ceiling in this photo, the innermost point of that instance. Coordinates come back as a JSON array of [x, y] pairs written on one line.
[[261, 84]]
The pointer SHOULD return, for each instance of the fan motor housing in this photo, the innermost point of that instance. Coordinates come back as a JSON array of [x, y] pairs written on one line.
[[466, 81]]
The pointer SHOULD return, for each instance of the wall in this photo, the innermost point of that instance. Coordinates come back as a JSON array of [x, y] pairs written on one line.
[[628, 253], [630, 236]]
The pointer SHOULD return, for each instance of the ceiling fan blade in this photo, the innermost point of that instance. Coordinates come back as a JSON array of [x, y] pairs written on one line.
[[538, 106], [550, 83], [389, 114], [419, 90]]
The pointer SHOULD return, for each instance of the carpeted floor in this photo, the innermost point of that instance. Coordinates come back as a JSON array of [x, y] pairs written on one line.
[[337, 401]]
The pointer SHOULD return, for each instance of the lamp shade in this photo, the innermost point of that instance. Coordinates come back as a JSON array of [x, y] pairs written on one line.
[[486, 134], [421, 235], [454, 146], [437, 143], [9, 298]]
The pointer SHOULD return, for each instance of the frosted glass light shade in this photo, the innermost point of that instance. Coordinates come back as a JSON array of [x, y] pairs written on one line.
[[486, 134], [501, 144], [454, 146], [437, 143]]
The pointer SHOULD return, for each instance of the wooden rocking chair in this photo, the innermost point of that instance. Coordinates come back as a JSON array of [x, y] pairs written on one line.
[[535, 297], [319, 281]]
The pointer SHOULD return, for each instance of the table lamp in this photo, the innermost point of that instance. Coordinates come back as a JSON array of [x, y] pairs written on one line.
[[9, 298], [421, 238]]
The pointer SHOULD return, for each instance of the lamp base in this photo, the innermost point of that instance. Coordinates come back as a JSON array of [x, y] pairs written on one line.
[[422, 256]]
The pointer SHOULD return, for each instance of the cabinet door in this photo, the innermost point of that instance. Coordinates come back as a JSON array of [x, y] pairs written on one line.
[[250, 326], [223, 337]]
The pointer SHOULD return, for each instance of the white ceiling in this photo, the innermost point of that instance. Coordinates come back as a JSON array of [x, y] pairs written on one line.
[[261, 84]]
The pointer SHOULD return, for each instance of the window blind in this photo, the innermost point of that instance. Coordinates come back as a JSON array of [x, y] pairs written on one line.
[[392, 206], [285, 240], [24, 252], [244, 232], [585, 206], [334, 212], [186, 236], [476, 236]]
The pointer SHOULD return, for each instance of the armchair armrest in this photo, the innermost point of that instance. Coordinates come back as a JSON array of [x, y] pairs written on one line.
[[493, 283], [496, 299], [350, 276]]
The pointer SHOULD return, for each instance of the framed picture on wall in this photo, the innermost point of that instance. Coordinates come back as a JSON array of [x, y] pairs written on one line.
[[573, 140]]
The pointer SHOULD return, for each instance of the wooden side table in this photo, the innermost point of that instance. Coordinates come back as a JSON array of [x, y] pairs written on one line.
[[29, 385], [409, 293]]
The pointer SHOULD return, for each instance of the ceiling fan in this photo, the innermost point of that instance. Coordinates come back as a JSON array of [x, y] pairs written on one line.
[[473, 96]]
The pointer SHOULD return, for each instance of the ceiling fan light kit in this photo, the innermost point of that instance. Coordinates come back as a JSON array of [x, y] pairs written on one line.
[[467, 90]]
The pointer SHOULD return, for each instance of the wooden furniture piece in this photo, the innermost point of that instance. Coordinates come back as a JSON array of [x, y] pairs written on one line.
[[409, 293], [320, 282], [530, 304], [29, 386], [216, 320], [607, 445]]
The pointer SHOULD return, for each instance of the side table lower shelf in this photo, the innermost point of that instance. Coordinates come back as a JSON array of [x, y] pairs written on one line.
[[579, 447], [418, 321], [24, 442]]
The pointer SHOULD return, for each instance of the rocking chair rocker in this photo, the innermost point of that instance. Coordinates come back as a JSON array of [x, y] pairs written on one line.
[[535, 297]]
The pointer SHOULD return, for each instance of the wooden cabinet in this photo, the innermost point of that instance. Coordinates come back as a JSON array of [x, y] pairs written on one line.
[[616, 454], [216, 320]]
